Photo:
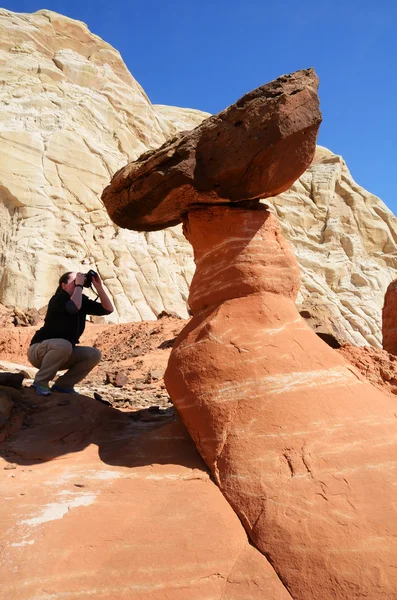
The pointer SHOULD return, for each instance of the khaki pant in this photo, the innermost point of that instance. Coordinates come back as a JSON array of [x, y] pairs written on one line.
[[57, 354]]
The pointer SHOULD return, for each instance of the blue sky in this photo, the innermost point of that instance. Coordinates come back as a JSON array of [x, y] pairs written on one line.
[[206, 54]]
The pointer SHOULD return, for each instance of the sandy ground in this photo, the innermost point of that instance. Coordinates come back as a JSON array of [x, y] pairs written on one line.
[[134, 358]]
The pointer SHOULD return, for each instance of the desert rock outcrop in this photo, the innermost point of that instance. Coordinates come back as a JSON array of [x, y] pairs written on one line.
[[389, 319], [71, 115], [156, 437], [346, 245], [281, 419], [300, 444]]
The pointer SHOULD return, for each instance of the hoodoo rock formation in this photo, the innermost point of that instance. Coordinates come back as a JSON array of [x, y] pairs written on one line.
[[254, 149], [300, 444], [282, 421]]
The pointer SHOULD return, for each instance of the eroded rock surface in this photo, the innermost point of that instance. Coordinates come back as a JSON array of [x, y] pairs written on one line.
[[253, 149], [389, 319], [302, 446], [376, 365], [71, 115], [95, 504], [345, 242]]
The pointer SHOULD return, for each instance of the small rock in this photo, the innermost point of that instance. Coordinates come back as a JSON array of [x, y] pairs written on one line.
[[166, 313], [117, 379], [139, 386], [100, 399], [157, 373], [12, 379], [386, 376], [33, 316]]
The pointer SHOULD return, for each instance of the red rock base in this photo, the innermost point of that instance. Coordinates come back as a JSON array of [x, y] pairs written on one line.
[[303, 448]]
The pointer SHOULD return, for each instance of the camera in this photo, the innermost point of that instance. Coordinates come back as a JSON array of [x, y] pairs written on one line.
[[88, 278]]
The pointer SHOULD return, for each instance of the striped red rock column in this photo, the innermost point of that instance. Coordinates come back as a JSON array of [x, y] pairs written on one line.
[[389, 319], [303, 448]]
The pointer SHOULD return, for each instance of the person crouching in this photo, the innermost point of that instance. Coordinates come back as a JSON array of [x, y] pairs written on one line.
[[54, 347]]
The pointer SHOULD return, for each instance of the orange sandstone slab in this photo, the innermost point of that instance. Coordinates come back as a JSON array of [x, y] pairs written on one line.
[[255, 148], [303, 448], [97, 505]]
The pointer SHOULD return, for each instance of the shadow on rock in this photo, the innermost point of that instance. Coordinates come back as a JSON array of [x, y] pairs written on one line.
[[39, 429]]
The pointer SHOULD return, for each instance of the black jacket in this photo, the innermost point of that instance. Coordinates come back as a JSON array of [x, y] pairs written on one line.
[[64, 320]]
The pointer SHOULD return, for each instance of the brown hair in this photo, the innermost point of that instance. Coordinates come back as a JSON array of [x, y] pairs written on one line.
[[63, 279]]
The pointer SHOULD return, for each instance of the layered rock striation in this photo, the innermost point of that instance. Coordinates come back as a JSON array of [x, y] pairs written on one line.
[[96, 504], [71, 115], [300, 444], [389, 319], [345, 241]]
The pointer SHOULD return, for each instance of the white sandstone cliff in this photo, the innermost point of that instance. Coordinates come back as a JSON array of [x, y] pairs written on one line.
[[71, 114], [345, 240]]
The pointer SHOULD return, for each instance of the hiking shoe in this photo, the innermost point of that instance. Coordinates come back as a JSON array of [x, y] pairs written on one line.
[[41, 390], [63, 390]]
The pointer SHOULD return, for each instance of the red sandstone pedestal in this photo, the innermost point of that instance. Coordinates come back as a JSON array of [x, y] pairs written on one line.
[[303, 448]]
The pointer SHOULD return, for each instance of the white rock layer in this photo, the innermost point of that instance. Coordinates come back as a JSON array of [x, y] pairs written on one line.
[[71, 114], [345, 240]]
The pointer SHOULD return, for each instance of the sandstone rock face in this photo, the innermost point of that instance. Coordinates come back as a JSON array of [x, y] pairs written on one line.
[[302, 446], [253, 149], [182, 118], [376, 365], [345, 242], [389, 319], [70, 116], [127, 511]]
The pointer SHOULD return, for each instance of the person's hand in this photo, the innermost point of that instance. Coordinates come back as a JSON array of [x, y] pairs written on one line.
[[96, 282], [80, 278]]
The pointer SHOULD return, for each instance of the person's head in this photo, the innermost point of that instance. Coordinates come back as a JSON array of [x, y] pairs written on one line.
[[67, 283]]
